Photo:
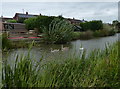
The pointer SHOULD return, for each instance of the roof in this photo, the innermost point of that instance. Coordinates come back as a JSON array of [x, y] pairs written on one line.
[[74, 20], [24, 15], [14, 23]]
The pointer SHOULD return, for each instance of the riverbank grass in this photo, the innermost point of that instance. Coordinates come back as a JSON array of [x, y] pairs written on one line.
[[100, 69]]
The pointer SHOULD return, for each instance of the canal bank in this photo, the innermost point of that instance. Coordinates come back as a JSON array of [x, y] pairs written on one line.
[[44, 50]]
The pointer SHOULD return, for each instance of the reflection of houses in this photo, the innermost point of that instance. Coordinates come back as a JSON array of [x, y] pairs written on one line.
[[19, 16]]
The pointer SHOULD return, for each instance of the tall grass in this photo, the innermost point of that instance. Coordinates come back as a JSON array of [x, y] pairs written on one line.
[[6, 44], [100, 69], [60, 31]]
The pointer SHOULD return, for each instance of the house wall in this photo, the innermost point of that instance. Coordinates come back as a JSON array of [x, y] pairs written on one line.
[[1, 26]]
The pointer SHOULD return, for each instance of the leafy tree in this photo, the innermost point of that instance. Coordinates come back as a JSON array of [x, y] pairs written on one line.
[[30, 23], [92, 25], [116, 25], [43, 21], [40, 22]]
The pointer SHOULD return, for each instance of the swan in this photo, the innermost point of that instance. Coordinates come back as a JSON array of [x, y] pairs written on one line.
[[81, 51], [64, 48], [81, 48], [55, 50]]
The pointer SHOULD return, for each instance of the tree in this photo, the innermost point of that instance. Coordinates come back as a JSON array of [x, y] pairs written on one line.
[[43, 21], [92, 25], [30, 23], [116, 24]]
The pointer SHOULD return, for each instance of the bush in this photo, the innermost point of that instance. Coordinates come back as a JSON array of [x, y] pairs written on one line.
[[104, 32], [30, 23], [43, 21], [111, 32], [76, 35], [40, 22], [21, 20], [11, 21], [6, 44], [60, 31], [92, 25], [86, 35]]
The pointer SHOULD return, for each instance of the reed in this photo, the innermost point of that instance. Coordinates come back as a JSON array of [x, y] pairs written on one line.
[[100, 69]]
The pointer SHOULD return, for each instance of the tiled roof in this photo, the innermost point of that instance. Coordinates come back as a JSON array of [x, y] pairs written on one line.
[[24, 15]]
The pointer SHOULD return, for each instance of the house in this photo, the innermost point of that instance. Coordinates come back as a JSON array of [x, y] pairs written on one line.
[[14, 29], [74, 21], [4, 19], [19, 16], [1, 26]]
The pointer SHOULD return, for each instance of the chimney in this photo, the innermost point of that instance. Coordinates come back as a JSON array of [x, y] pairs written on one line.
[[40, 14], [26, 13]]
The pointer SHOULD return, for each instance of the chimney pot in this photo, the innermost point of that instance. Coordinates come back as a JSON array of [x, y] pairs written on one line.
[[26, 13]]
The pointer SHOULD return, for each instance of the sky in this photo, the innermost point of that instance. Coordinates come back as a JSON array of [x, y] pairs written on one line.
[[106, 11], [60, 0]]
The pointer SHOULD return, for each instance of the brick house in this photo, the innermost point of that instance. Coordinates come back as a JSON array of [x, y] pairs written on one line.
[[19, 16]]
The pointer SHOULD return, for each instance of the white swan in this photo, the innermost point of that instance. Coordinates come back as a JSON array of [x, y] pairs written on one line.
[[81, 48], [55, 50], [81, 52], [64, 48]]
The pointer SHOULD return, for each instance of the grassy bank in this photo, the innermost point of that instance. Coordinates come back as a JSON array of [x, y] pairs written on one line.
[[90, 34], [101, 69]]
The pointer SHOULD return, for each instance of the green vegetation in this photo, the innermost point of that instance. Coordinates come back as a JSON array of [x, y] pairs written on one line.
[[40, 22], [6, 44], [86, 35], [92, 25], [107, 30], [116, 25], [55, 34], [11, 21], [100, 69], [30, 23], [21, 20], [60, 31]]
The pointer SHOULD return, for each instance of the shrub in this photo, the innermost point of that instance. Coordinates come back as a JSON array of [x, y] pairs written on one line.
[[111, 32], [30, 23], [11, 21], [6, 44], [60, 31], [76, 35], [92, 25], [104, 32], [86, 35], [21, 20]]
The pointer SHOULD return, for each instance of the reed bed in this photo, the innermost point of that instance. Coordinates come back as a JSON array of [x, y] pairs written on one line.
[[100, 69]]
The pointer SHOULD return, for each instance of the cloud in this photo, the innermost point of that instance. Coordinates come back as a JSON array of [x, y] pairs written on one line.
[[106, 11], [60, 0]]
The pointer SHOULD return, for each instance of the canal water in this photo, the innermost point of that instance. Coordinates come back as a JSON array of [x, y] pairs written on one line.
[[70, 49]]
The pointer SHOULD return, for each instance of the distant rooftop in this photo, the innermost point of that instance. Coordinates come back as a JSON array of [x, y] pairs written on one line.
[[22, 15]]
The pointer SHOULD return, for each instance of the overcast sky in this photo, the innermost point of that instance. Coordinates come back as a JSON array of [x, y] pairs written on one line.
[[106, 11], [59, 0]]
